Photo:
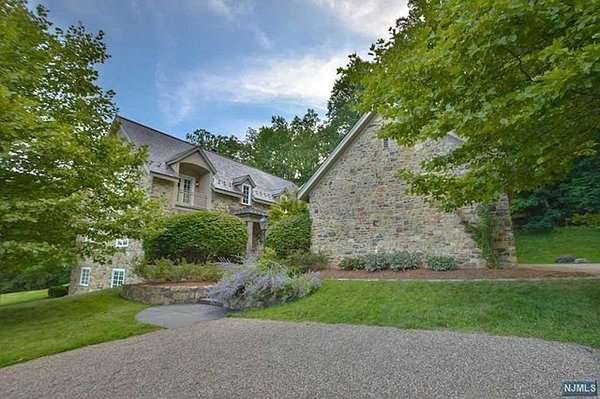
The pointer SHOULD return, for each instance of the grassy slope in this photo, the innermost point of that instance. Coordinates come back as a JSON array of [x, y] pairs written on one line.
[[24, 296], [554, 310], [34, 329], [544, 247]]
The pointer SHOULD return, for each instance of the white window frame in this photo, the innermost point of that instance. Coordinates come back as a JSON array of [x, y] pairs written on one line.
[[186, 196], [246, 199], [122, 242], [85, 282], [113, 275]]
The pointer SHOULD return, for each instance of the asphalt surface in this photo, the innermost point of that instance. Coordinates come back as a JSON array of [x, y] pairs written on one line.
[[249, 358], [176, 316]]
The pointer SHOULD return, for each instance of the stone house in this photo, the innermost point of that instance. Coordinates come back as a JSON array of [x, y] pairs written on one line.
[[358, 203], [186, 178]]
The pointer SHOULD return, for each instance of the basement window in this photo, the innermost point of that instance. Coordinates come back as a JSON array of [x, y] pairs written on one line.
[[117, 278], [84, 280]]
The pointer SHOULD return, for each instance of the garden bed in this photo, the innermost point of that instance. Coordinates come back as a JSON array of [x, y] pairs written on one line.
[[167, 293], [461, 274]]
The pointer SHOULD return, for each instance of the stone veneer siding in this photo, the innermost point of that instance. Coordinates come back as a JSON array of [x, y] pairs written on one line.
[[360, 206], [228, 203], [100, 274]]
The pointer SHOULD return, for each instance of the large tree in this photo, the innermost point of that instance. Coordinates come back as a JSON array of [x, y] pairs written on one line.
[[292, 150], [64, 172], [229, 146], [518, 80]]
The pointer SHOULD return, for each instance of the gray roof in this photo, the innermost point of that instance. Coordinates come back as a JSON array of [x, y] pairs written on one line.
[[163, 148]]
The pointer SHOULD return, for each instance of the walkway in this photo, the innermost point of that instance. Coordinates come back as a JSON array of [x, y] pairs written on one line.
[[175, 316]]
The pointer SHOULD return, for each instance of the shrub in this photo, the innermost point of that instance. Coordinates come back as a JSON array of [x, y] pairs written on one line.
[[375, 262], [58, 291], [197, 237], [586, 219], [306, 261], [251, 285], [403, 260], [168, 270], [289, 235], [353, 263], [441, 263]]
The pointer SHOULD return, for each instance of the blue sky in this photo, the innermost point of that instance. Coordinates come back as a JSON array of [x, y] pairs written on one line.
[[225, 65]]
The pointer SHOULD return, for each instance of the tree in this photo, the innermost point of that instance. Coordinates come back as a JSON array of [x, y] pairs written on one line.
[[225, 145], [286, 206], [64, 171], [518, 80], [292, 150]]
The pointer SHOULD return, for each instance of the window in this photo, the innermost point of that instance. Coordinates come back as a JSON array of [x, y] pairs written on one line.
[[85, 276], [386, 142], [122, 242], [246, 194], [117, 278]]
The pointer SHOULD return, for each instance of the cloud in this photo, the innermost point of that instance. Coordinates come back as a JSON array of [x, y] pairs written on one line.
[[295, 82], [371, 18]]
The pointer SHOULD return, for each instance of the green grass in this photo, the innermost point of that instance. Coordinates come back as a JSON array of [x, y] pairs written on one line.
[[24, 296], [33, 329], [555, 310], [583, 242]]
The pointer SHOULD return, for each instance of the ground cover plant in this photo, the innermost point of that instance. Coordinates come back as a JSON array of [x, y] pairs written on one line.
[[538, 309], [33, 329]]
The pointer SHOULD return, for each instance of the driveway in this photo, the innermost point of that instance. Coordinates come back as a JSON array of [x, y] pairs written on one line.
[[251, 358]]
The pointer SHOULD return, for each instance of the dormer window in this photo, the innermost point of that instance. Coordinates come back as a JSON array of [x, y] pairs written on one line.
[[246, 194]]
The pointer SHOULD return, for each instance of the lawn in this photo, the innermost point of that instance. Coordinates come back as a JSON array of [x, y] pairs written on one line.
[[555, 310], [33, 329], [583, 242], [24, 296]]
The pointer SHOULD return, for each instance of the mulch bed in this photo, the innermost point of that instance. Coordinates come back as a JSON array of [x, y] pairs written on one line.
[[462, 274]]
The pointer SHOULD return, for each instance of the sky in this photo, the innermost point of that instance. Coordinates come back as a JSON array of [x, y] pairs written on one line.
[[225, 65]]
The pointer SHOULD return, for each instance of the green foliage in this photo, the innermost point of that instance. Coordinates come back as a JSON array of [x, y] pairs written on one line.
[[485, 232], [197, 237], [64, 171], [441, 263], [58, 291], [341, 106], [556, 204], [39, 328], [519, 81], [353, 263], [289, 235], [229, 146], [292, 150], [305, 261], [539, 309], [398, 260], [544, 247], [34, 277], [167, 270], [588, 219], [287, 205]]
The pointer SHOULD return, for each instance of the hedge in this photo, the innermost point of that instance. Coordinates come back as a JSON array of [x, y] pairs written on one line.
[[197, 237], [290, 235]]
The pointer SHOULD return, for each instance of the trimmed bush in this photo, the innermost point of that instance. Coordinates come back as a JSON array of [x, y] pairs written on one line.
[[197, 237], [289, 235], [58, 291], [306, 261], [441, 263], [351, 264], [252, 285], [167, 270]]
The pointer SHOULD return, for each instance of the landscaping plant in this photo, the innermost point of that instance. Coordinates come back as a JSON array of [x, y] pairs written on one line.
[[306, 261], [167, 270], [289, 235], [441, 263]]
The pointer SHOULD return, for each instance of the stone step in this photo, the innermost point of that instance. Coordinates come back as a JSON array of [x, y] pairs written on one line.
[[210, 301]]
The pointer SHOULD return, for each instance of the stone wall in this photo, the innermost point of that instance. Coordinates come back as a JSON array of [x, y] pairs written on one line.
[[100, 274], [360, 206], [228, 203], [165, 294]]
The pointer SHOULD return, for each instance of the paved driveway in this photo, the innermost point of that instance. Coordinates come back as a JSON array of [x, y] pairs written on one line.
[[246, 358]]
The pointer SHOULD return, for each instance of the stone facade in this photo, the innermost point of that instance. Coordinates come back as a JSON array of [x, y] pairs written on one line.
[[101, 273], [359, 206]]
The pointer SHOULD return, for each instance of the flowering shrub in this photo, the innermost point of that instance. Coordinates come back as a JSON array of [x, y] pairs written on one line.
[[256, 285]]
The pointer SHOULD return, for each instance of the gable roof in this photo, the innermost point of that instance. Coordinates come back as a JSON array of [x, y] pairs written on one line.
[[358, 127], [325, 166], [164, 150]]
